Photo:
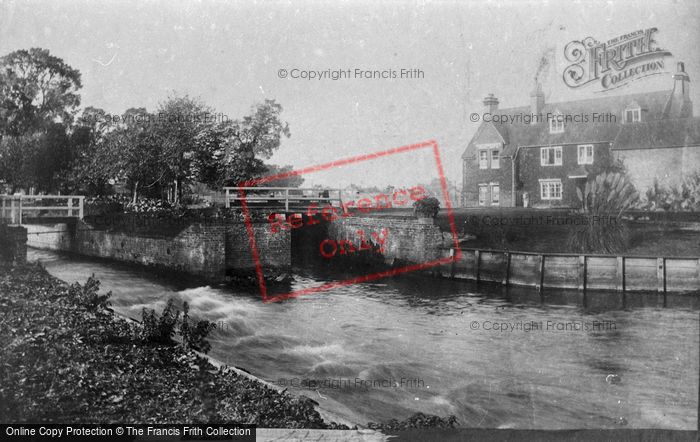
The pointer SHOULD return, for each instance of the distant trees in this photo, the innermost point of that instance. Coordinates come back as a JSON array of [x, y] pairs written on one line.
[[36, 89], [38, 98], [44, 146]]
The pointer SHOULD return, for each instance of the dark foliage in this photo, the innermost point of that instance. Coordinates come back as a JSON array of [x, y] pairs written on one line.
[[63, 364], [417, 421], [426, 207]]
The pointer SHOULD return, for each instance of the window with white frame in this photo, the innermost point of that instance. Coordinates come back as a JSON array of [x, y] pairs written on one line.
[[495, 194], [550, 156], [550, 190], [556, 123], [495, 159], [633, 113], [483, 193], [483, 159], [585, 154]]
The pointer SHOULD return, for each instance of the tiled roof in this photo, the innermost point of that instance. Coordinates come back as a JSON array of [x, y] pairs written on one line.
[[659, 133], [653, 131]]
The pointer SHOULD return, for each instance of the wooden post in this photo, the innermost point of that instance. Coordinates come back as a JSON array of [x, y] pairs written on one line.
[[81, 210], [476, 265], [661, 274], [620, 273], [228, 201], [541, 284], [286, 199], [20, 211], [70, 206], [582, 272], [506, 276]]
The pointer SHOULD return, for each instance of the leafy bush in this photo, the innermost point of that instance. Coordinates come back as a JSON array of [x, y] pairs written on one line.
[[87, 296], [426, 207], [153, 205], [682, 197], [105, 205], [195, 337], [416, 421], [162, 329], [604, 200]]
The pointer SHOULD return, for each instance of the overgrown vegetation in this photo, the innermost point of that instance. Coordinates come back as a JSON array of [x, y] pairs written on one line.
[[681, 197], [67, 358], [605, 198], [426, 207], [416, 421]]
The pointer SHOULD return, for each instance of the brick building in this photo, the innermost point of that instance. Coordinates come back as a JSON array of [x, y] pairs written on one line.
[[538, 155]]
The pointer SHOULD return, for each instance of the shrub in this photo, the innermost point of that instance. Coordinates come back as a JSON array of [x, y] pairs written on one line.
[[604, 200], [426, 207], [87, 296], [682, 197], [416, 421], [159, 330], [162, 329], [195, 337]]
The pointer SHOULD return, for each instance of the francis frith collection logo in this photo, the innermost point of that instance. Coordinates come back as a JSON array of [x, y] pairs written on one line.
[[614, 63]]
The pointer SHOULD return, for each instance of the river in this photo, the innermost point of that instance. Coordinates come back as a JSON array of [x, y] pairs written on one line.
[[494, 358]]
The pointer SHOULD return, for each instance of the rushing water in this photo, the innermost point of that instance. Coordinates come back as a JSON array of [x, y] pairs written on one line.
[[637, 369]]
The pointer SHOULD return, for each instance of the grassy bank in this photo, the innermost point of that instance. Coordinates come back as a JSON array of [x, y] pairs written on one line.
[[63, 361]]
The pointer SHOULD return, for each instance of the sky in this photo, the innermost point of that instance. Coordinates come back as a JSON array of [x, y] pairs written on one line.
[[230, 55]]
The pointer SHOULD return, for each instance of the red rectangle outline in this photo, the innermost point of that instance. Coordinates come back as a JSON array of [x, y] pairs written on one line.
[[373, 276]]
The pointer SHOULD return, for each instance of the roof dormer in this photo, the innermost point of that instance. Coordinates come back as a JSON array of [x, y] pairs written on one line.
[[556, 122], [632, 113]]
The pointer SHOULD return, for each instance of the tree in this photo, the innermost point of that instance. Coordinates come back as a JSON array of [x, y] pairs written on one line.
[[36, 89], [135, 151], [190, 139], [92, 165], [254, 139], [289, 181]]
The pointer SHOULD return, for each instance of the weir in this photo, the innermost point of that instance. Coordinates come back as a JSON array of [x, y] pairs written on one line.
[[219, 249]]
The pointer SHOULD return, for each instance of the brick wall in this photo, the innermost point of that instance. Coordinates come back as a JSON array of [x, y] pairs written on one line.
[[406, 240], [274, 249], [473, 175], [530, 171], [203, 249]]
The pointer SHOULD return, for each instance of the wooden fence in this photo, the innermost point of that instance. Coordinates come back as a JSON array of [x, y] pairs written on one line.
[[278, 197], [583, 272], [15, 209]]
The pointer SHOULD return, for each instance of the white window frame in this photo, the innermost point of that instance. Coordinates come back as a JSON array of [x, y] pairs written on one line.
[[583, 154], [483, 163], [495, 161], [486, 193], [558, 156], [636, 113], [491, 187], [556, 123], [548, 188]]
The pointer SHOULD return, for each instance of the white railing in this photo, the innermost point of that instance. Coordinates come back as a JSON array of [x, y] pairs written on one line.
[[16, 208], [289, 196]]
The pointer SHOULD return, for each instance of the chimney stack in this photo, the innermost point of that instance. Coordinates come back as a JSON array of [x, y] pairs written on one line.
[[536, 100], [679, 104], [490, 104]]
